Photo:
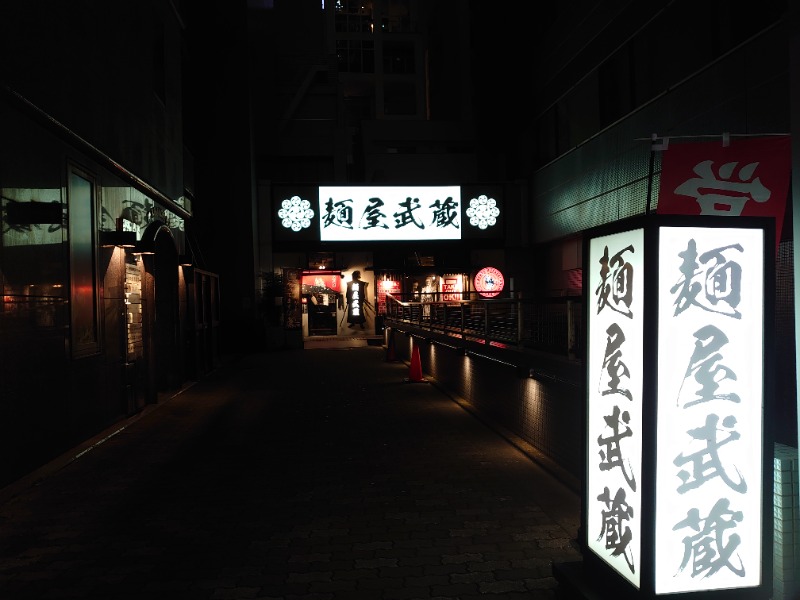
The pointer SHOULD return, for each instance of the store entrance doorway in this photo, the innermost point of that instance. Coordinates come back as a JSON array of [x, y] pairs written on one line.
[[322, 301]]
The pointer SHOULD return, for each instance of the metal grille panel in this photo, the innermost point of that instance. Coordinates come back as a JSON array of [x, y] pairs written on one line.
[[612, 188]]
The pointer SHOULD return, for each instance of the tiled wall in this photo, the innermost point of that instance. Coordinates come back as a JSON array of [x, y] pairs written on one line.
[[543, 414], [786, 554]]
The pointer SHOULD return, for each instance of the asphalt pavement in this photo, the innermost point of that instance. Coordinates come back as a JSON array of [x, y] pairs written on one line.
[[299, 474]]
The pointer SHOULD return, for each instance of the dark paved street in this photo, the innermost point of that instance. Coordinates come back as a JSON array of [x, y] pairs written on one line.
[[302, 474]]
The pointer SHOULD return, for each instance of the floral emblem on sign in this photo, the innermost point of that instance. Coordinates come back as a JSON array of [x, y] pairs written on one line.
[[296, 213], [483, 212]]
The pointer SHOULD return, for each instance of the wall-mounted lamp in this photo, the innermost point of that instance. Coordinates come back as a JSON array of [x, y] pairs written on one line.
[[185, 260], [536, 374], [120, 239], [523, 371]]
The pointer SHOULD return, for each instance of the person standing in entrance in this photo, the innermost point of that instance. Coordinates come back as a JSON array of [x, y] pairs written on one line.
[[356, 300]]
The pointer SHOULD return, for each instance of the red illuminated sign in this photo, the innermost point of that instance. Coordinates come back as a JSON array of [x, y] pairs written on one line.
[[386, 286], [451, 288], [489, 282], [322, 282]]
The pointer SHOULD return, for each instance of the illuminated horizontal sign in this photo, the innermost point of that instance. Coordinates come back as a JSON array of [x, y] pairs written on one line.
[[322, 283], [354, 213], [362, 213]]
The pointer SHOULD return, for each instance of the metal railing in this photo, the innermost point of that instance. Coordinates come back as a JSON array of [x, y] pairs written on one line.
[[550, 325]]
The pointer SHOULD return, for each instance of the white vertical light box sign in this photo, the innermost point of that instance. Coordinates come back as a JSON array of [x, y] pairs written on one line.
[[614, 401], [708, 489]]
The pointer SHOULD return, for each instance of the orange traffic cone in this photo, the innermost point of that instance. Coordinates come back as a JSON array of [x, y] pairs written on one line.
[[390, 355], [415, 369]]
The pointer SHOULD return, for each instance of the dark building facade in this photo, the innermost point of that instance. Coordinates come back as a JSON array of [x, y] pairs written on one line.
[[618, 76], [371, 94], [105, 309]]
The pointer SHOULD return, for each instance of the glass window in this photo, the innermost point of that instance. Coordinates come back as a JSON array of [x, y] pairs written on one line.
[[355, 56], [398, 57], [83, 265], [399, 16]]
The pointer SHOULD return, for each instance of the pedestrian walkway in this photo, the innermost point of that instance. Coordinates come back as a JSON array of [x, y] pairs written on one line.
[[301, 474]]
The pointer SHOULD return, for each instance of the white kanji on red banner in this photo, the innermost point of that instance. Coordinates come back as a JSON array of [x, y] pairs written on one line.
[[748, 177]]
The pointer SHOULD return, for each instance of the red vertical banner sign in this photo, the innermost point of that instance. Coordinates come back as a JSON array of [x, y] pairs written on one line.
[[386, 286], [747, 177]]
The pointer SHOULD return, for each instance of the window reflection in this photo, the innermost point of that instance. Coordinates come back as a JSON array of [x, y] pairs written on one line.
[[83, 293], [32, 256]]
